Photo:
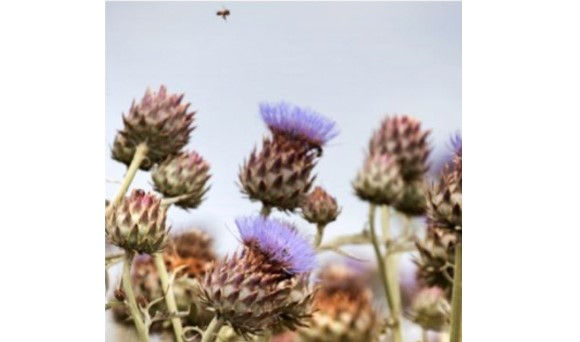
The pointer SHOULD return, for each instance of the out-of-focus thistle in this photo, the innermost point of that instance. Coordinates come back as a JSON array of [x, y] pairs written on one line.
[[265, 285], [160, 121], [343, 308], [279, 175], [183, 176], [401, 138], [319, 207], [137, 223], [431, 309], [436, 259], [379, 181]]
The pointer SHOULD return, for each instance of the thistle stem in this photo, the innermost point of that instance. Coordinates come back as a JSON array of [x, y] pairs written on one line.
[[138, 157], [169, 296], [266, 210], [392, 277], [319, 233], [456, 298], [212, 329], [133, 308]]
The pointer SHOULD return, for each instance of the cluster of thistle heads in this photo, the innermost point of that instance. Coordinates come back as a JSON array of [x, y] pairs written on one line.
[[266, 285]]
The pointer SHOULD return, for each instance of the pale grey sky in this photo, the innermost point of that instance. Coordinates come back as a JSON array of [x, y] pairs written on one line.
[[353, 62]]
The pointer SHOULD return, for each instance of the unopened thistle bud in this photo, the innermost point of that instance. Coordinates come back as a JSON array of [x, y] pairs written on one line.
[[185, 174], [436, 259], [265, 284], [444, 199], [319, 207], [343, 308], [137, 223], [431, 309], [401, 138], [379, 181], [161, 121], [413, 200]]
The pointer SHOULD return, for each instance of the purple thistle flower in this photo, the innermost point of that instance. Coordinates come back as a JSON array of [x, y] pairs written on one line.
[[456, 143], [300, 123], [279, 241]]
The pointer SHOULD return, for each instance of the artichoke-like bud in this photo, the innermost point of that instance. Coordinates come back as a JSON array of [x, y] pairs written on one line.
[[265, 285], [279, 175], [436, 259], [184, 175], [413, 200], [161, 121], [343, 308], [444, 199], [431, 309], [319, 207], [137, 223], [402, 138], [379, 181], [304, 126]]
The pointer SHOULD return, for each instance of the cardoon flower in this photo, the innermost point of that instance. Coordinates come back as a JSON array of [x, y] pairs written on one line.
[[186, 175], [444, 198], [137, 223], [401, 138], [343, 308], [299, 124], [161, 121], [319, 207], [431, 310], [436, 259], [379, 181], [265, 285]]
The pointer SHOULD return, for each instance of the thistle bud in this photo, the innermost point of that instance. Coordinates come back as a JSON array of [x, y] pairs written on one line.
[[185, 174], [401, 137], [161, 121], [343, 308], [279, 175], [444, 199], [194, 249], [265, 285], [431, 310], [137, 223], [379, 181], [319, 207], [413, 200], [436, 259]]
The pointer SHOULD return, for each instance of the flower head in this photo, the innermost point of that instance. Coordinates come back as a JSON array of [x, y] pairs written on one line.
[[319, 207], [299, 123], [279, 241]]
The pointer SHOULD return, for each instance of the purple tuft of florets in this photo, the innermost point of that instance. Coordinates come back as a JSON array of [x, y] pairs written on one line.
[[456, 143], [279, 241], [298, 122]]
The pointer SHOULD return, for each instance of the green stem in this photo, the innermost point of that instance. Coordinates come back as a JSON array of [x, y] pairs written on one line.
[[138, 157], [392, 276], [456, 298], [212, 329], [133, 308], [266, 210], [169, 296], [319, 233]]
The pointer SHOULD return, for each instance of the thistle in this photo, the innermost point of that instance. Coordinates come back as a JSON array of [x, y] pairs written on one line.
[[137, 223], [401, 138], [379, 181], [431, 309], [343, 308], [185, 176], [160, 121], [265, 285], [319, 207], [444, 198], [436, 260]]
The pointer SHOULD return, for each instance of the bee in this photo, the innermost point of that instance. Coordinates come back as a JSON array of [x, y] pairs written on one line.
[[223, 13]]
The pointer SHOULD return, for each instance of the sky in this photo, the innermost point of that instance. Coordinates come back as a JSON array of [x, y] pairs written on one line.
[[352, 62]]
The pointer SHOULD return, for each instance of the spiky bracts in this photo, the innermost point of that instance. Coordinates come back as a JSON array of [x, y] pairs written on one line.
[[193, 249], [319, 207], [431, 309], [184, 175], [265, 285], [436, 260], [279, 175], [301, 124], [343, 308], [402, 138], [161, 121], [379, 181], [137, 223]]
